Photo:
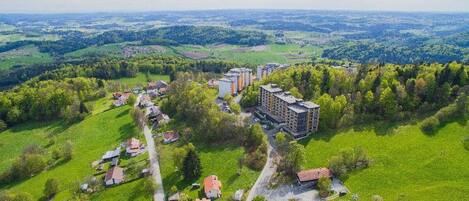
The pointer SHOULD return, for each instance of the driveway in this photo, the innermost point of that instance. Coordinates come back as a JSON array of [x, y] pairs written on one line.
[[269, 169]]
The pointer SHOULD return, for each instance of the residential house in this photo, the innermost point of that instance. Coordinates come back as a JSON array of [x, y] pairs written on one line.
[[145, 101], [121, 99], [133, 147], [109, 155], [212, 187], [161, 84], [311, 176], [114, 176], [170, 136]]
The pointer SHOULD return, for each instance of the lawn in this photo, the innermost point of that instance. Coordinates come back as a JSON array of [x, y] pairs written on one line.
[[215, 160], [407, 164], [141, 79], [91, 138]]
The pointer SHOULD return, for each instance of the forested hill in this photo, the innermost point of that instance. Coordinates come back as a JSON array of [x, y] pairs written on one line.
[[397, 53], [174, 35]]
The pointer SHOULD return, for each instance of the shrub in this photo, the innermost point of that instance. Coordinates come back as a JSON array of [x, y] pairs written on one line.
[[466, 143], [348, 160], [67, 151], [15, 196], [259, 198], [324, 186], [256, 159], [51, 188], [429, 124], [3, 125]]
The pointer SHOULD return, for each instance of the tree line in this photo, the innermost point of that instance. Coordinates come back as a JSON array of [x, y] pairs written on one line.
[[112, 68], [388, 92], [50, 100]]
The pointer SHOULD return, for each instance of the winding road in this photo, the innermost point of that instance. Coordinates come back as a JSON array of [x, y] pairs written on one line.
[[154, 163]]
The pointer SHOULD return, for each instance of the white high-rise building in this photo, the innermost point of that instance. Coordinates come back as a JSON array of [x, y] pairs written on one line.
[[225, 86]]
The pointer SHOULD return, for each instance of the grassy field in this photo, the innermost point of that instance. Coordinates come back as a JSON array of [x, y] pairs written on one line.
[[407, 164], [216, 160], [289, 53], [91, 138], [23, 56], [141, 79]]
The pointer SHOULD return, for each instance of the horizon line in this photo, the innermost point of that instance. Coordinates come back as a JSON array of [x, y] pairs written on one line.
[[229, 9]]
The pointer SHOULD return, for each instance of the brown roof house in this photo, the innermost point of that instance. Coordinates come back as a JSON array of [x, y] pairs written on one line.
[[170, 136], [212, 187], [114, 176], [133, 147], [313, 175]]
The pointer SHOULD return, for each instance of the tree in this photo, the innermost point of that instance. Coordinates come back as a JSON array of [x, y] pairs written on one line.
[[295, 92], [131, 100], [324, 186], [388, 103], [191, 166], [51, 188], [294, 159]]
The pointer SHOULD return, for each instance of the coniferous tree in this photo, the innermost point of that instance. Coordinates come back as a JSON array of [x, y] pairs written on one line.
[[191, 167]]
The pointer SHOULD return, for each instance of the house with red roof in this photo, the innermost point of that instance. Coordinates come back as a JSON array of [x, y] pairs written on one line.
[[133, 147], [313, 175], [170, 136], [114, 176], [212, 187]]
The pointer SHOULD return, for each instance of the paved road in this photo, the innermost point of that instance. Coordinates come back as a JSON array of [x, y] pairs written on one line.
[[154, 164], [269, 169]]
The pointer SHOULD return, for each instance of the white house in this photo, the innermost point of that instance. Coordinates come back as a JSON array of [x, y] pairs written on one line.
[[212, 187]]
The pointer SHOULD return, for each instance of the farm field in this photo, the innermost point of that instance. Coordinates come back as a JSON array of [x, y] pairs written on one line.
[[289, 53], [406, 164], [23, 56], [90, 138], [215, 160]]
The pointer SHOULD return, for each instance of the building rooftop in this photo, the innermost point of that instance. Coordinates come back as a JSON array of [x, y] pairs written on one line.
[[308, 104], [287, 97], [225, 80], [271, 88], [313, 174], [296, 108]]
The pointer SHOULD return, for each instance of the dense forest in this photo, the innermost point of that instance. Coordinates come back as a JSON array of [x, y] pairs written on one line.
[[51, 99], [397, 53], [391, 92]]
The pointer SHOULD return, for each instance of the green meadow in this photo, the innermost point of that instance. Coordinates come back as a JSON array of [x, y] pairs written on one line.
[[406, 164]]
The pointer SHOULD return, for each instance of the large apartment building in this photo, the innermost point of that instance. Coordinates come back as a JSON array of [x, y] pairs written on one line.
[[265, 70], [234, 81], [298, 117]]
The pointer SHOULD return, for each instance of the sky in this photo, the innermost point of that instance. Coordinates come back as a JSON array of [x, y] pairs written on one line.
[[78, 6]]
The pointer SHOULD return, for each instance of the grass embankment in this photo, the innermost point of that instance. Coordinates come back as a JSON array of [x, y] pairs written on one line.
[[215, 160], [407, 164], [91, 138]]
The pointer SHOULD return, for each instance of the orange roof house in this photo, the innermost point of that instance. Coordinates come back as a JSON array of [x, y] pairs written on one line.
[[313, 175], [212, 187]]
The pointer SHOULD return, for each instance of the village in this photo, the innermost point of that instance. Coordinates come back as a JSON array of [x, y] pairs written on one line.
[[277, 111]]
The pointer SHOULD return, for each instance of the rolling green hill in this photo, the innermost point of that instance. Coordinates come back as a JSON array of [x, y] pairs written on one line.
[[406, 164]]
